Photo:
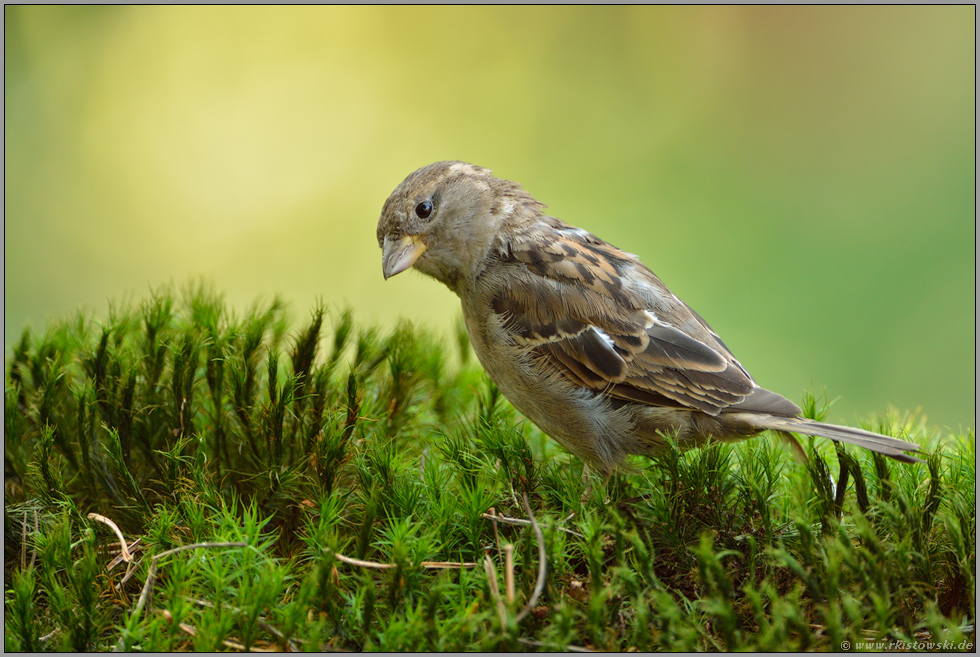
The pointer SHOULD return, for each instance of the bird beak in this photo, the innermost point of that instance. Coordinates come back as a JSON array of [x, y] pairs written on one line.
[[398, 256]]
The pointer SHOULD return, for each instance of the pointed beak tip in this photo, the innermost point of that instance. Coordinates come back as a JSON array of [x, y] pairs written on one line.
[[401, 255]]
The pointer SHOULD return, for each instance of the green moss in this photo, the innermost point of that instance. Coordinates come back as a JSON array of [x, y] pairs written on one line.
[[186, 424]]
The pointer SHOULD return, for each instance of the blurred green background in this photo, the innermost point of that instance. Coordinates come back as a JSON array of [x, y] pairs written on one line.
[[803, 177]]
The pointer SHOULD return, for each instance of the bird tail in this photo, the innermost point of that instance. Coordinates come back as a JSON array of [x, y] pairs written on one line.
[[892, 447]]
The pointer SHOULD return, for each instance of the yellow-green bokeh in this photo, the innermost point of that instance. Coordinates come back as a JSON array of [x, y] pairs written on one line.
[[803, 177]]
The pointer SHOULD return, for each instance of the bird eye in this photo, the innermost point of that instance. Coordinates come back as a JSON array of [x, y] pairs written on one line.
[[423, 210]]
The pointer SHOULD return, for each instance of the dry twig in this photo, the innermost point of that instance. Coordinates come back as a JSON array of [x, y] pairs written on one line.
[[23, 543], [495, 589], [37, 530], [124, 551], [435, 565], [152, 574], [521, 521], [190, 630], [268, 627], [540, 644], [509, 572], [542, 565]]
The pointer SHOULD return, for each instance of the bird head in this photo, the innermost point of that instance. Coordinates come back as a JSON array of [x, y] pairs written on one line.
[[441, 220]]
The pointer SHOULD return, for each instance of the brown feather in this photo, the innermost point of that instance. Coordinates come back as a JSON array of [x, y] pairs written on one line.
[[567, 280]]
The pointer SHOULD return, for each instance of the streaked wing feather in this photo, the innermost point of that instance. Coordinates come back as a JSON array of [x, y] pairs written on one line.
[[569, 303], [766, 401], [673, 348]]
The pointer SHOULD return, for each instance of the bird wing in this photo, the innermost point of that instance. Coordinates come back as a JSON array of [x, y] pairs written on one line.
[[606, 322]]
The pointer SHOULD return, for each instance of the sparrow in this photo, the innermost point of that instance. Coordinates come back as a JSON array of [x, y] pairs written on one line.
[[582, 338]]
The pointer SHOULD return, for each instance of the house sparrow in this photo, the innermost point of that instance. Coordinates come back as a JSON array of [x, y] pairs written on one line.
[[581, 337]]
